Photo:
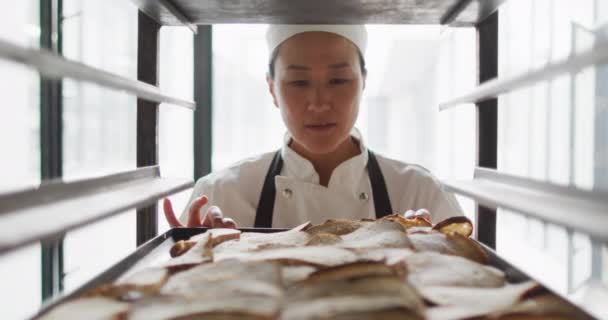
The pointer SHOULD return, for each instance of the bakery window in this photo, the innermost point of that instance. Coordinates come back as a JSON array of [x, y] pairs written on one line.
[[397, 117], [175, 132], [455, 132], [20, 142], [241, 100], [99, 127], [99, 123], [553, 131], [20, 110]]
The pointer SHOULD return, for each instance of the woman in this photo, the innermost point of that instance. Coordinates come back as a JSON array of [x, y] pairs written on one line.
[[316, 78]]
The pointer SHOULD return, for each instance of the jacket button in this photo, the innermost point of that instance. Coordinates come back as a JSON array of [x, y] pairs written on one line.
[[363, 196], [287, 193]]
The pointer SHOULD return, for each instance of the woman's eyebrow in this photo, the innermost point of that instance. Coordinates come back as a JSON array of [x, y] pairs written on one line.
[[297, 67], [339, 65], [331, 66]]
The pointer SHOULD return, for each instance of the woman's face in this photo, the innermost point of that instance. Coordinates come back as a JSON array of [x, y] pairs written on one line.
[[317, 86]]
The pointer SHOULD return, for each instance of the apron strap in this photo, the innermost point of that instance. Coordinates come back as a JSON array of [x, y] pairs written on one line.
[[263, 214], [265, 210], [382, 203]]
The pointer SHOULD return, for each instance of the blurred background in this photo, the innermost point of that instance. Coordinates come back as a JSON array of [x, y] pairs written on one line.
[[542, 134]]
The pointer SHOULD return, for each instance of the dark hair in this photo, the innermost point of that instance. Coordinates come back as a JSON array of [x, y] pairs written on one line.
[[275, 54]]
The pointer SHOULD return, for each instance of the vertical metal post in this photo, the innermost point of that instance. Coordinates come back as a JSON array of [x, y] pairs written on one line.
[[147, 117], [51, 146], [203, 74], [487, 120]]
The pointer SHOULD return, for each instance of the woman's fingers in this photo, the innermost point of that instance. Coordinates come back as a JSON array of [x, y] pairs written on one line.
[[170, 214], [215, 216], [194, 216], [207, 220], [424, 213], [409, 214], [229, 223]]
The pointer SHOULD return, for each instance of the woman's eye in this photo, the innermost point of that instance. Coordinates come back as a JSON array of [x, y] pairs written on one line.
[[299, 83], [338, 81]]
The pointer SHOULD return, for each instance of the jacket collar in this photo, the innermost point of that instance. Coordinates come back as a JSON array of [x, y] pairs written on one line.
[[347, 174]]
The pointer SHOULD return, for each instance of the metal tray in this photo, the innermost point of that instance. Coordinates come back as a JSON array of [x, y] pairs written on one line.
[[157, 250]]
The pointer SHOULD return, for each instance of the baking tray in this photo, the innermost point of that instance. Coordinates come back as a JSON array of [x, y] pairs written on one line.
[[157, 250]]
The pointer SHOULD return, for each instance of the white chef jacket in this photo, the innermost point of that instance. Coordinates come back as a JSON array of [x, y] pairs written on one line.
[[300, 198]]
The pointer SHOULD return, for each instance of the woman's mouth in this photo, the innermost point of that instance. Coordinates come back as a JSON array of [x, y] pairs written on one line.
[[321, 127]]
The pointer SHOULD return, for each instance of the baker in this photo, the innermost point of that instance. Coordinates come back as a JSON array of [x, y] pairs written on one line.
[[323, 170]]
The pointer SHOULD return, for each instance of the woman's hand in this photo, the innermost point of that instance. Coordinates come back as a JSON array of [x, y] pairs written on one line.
[[213, 217], [422, 213]]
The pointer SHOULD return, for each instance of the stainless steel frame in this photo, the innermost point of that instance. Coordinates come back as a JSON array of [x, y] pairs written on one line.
[[165, 12], [467, 13], [585, 211], [54, 208], [53, 66], [187, 12], [501, 85], [64, 206]]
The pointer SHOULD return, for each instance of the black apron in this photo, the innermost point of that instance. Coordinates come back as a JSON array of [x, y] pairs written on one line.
[[265, 210]]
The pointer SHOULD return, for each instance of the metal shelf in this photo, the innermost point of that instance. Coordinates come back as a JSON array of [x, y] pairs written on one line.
[[165, 12], [586, 211], [491, 89], [470, 12], [52, 65], [54, 208], [187, 12]]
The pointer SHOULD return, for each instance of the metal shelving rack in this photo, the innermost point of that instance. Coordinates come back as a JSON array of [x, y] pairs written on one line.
[[143, 187], [566, 206]]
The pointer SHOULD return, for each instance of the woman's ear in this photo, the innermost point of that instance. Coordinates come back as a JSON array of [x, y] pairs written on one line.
[[270, 82]]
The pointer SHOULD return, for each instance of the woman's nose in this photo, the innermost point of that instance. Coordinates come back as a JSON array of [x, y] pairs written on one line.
[[318, 100]]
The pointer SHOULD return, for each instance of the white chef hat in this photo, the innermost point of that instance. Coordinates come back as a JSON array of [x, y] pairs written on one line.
[[278, 33]]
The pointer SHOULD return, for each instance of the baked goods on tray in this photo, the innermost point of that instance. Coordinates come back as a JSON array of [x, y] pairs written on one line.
[[390, 268]]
